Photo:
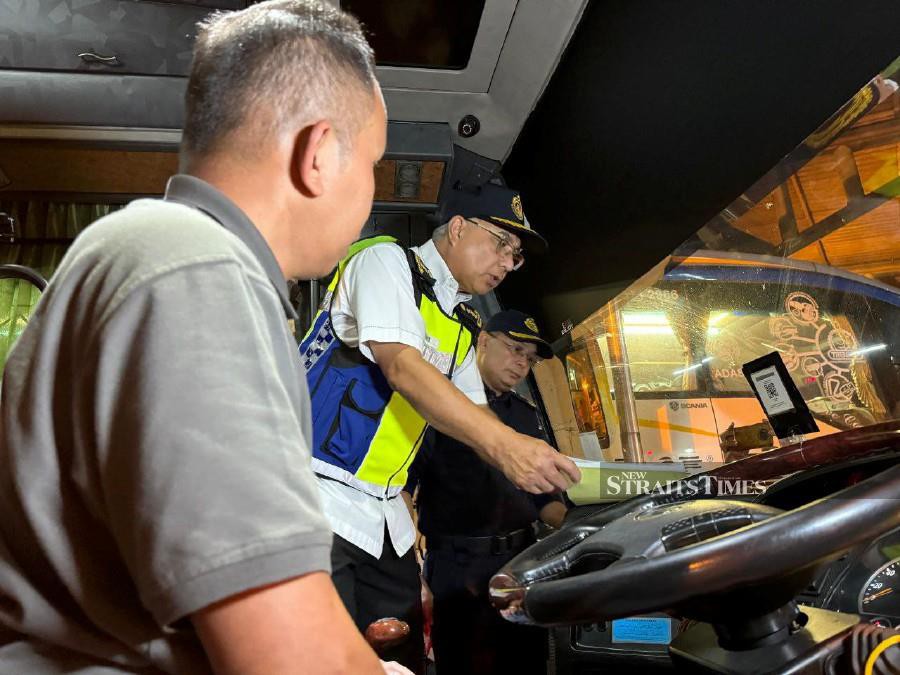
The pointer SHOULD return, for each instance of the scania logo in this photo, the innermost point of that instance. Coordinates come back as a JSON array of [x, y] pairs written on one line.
[[676, 405]]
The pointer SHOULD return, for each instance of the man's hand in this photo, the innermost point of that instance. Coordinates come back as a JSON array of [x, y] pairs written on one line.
[[535, 466]]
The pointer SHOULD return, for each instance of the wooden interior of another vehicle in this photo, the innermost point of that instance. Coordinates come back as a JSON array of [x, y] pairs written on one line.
[[45, 166]]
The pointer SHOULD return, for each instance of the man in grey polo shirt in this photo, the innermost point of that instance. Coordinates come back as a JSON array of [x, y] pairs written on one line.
[[157, 509]]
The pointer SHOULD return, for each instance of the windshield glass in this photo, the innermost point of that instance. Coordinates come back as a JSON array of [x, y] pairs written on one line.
[[805, 264]]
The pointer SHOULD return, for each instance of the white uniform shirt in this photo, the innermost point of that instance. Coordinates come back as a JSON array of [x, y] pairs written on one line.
[[374, 301]]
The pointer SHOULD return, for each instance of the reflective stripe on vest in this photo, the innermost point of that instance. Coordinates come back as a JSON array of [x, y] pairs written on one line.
[[364, 434]]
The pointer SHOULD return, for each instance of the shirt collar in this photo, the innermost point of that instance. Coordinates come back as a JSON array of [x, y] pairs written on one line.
[[435, 263], [196, 193]]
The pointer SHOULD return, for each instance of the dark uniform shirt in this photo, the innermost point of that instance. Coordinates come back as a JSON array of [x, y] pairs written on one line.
[[460, 494]]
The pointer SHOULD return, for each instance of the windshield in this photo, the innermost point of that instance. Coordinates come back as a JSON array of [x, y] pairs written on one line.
[[805, 264]]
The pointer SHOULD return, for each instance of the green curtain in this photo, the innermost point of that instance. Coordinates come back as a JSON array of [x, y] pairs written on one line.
[[45, 229], [17, 300]]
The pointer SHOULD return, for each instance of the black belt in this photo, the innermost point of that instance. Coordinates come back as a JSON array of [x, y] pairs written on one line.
[[500, 544]]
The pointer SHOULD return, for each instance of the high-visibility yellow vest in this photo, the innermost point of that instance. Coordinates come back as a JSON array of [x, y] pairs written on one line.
[[365, 434]]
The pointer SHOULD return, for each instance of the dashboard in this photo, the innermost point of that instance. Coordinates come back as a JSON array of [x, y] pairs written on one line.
[[864, 581], [868, 585]]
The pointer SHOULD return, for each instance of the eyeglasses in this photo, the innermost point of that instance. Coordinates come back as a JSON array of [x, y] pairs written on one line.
[[518, 350], [504, 248]]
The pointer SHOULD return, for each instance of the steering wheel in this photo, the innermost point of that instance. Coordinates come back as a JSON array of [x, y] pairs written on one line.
[[666, 553]]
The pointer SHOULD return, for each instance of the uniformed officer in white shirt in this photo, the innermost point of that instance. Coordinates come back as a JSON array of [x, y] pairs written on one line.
[[391, 352]]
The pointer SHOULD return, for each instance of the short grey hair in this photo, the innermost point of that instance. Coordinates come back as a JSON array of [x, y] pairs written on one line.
[[440, 232], [274, 64]]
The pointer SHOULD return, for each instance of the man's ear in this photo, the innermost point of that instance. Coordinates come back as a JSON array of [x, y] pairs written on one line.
[[482, 340], [314, 158], [456, 226]]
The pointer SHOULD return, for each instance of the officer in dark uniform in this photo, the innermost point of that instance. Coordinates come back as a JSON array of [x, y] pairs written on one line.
[[474, 519]]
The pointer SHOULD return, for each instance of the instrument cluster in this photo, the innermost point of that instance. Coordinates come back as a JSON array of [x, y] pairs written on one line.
[[867, 582]]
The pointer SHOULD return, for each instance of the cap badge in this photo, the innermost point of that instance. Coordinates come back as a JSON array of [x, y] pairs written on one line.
[[517, 207], [532, 325]]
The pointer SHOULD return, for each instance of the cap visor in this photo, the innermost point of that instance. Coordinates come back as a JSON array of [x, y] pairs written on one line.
[[532, 242], [544, 350]]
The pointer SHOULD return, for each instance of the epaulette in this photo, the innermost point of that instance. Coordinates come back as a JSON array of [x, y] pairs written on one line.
[[418, 267], [470, 316]]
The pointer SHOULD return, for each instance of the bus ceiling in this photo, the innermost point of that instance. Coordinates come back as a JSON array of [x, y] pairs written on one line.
[[475, 67]]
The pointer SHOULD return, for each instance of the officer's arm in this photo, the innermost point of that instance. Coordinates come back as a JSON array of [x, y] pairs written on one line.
[[528, 462], [299, 626]]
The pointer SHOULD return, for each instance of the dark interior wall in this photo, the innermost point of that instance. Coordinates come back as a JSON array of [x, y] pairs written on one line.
[[559, 308], [662, 112]]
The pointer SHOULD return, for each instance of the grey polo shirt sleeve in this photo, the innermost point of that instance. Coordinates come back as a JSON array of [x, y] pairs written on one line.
[[203, 468]]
